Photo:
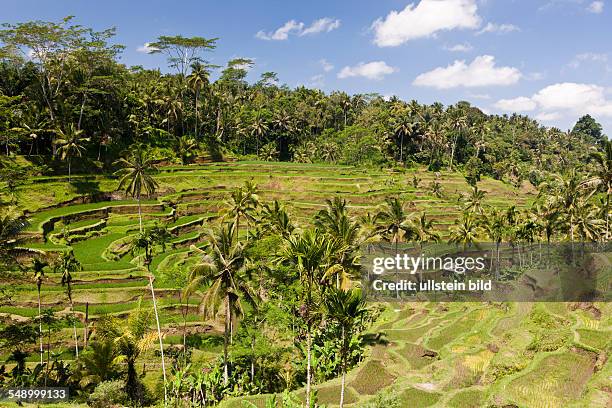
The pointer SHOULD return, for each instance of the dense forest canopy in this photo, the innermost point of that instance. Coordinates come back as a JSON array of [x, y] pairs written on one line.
[[64, 93]]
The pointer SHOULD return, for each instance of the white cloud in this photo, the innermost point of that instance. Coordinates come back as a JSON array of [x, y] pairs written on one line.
[[588, 57], [145, 48], [372, 70], [281, 33], [424, 20], [464, 47], [596, 7], [326, 65], [480, 72], [478, 96], [548, 116], [324, 24], [557, 100], [520, 104], [498, 28]]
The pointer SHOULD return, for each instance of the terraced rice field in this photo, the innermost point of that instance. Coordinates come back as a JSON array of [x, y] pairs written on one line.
[[430, 355]]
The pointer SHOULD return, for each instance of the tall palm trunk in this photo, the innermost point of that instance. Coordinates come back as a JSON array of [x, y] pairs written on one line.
[[343, 357], [225, 340], [40, 332], [76, 339], [139, 213], [309, 364], [161, 344], [69, 170]]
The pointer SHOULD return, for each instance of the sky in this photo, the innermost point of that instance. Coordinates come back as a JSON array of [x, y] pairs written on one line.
[[550, 59]]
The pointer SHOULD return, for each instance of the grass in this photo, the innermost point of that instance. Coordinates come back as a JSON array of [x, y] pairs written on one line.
[[467, 399], [415, 398], [371, 378]]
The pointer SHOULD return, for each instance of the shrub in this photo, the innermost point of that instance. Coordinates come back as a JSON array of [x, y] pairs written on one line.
[[108, 394]]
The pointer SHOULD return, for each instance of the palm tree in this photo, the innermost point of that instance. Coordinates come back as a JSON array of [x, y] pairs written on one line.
[[602, 178], [404, 127], [70, 145], [494, 227], [275, 218], [11, 225], [465, 231], [38, 267], [224, 267], [474, 201], [185, 146], [394, 222], [101, 363], [347, 309], [67, 264], [258, 128], [131, 340], [197, 80], [308, 253], [135, 176], [423, 230], [243, 203]]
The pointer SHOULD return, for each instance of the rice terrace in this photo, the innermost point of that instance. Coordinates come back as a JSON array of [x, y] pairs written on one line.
[[189, 235]]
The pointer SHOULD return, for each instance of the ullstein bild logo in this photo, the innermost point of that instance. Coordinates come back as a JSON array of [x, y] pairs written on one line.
[[487, 272]]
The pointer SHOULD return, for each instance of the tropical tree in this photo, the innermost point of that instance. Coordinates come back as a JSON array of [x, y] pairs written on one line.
[[308, 253], [465, 231], [67, 263], [242, 204], [38, 267], [474, 201], [197, 80], [70, 144], [423, 230], [347, 309], [224, 267], [602, 178], [131, 339], [135, 176], [394, 222]]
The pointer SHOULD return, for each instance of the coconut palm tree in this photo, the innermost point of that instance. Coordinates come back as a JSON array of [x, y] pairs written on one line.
[[347, 309], [308, 253], [196, 81], [70, 144], [602, 178], [275, 218], [135, 176], [423, 230], [474, 201], [394, 222], [465, 231], [38, 267], [11, 225], [259, 127], [67, 264], [494, 227], [243, 203], [224, 267]]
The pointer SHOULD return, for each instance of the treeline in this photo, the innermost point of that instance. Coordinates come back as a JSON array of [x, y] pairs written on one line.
[[65, 94]]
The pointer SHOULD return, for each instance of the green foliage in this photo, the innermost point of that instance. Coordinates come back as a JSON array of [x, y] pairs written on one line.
[[107, 394]]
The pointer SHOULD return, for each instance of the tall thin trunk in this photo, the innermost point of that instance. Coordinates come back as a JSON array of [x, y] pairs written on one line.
[[76, 339], [343, 357], [139, 213], [161, 343], [69, 170], [309, 365], [40, 332], [402, 148], [86, 334], [225, 334], [81, 113]]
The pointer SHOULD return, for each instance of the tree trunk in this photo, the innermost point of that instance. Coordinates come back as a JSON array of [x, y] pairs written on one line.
[[225, 334], [86, 334], [161, 344], [139, 213], [76, 339], [309, 365], [343, 357], [69, 171], [40, 332]]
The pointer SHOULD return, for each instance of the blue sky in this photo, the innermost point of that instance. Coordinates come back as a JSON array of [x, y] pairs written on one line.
[[551, 59]]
